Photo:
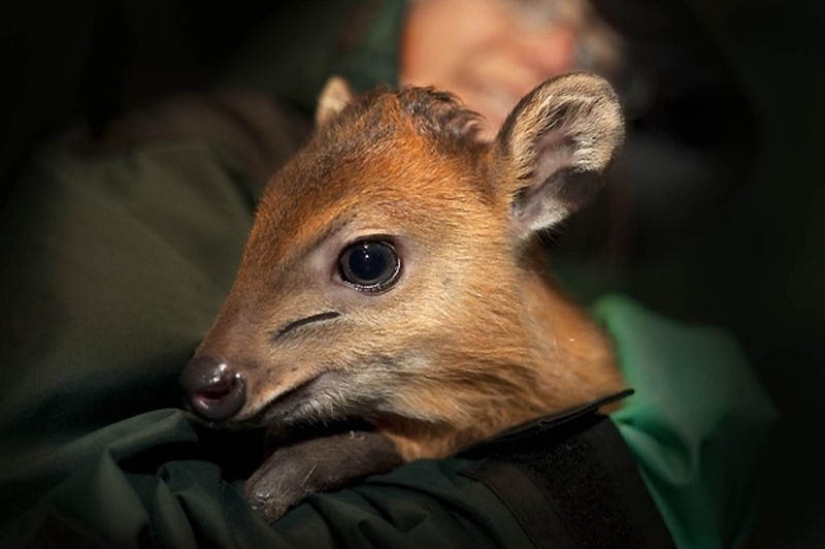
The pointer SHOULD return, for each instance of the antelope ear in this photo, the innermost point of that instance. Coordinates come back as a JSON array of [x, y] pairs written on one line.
[[557, 143], [335, 96]]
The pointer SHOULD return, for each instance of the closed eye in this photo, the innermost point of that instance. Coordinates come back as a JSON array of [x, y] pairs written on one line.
[[303, 322]]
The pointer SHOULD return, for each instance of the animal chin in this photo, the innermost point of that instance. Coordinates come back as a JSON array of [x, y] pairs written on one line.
[[305, 412]]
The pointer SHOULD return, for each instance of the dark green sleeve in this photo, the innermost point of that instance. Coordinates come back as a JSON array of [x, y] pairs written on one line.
[[117, 253], [113, 267], [156, 481]]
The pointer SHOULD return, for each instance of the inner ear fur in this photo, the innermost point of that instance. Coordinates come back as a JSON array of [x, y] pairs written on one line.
[[558, 142], [334, 98]]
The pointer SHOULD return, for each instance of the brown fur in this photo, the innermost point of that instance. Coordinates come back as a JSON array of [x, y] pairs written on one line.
[[474, 338]]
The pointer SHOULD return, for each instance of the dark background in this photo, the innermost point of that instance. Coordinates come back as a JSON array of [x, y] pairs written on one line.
[[772, 248], [755, 266]]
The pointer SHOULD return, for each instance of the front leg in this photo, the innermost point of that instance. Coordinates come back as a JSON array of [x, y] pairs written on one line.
[[315, 465]]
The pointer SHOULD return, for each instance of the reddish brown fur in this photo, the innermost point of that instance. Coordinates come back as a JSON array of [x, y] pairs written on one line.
[[472, 340]]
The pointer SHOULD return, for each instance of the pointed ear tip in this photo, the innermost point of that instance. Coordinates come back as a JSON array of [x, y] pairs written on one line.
[[607, 101], [336, 88], [334, 97], [571, 85], [583, 84], [336, 81], [580, 79]]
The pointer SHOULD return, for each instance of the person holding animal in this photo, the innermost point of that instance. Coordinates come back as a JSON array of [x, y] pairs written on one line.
[[392, 303]]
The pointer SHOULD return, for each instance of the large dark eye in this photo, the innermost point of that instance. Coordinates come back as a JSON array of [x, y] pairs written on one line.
[[370, 265]]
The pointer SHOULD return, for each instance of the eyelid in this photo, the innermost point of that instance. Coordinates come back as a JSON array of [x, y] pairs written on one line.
[[364, 236]]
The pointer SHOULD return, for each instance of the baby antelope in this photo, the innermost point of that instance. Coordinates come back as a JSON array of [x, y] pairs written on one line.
[[393, 302]]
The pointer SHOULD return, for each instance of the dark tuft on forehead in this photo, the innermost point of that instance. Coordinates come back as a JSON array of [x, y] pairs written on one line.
[[436, 114], [440, 113]]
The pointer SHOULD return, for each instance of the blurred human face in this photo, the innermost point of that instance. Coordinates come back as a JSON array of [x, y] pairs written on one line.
[[489, 53]]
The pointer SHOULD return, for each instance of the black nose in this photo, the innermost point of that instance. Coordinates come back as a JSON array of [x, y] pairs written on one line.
[[214, 389]]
